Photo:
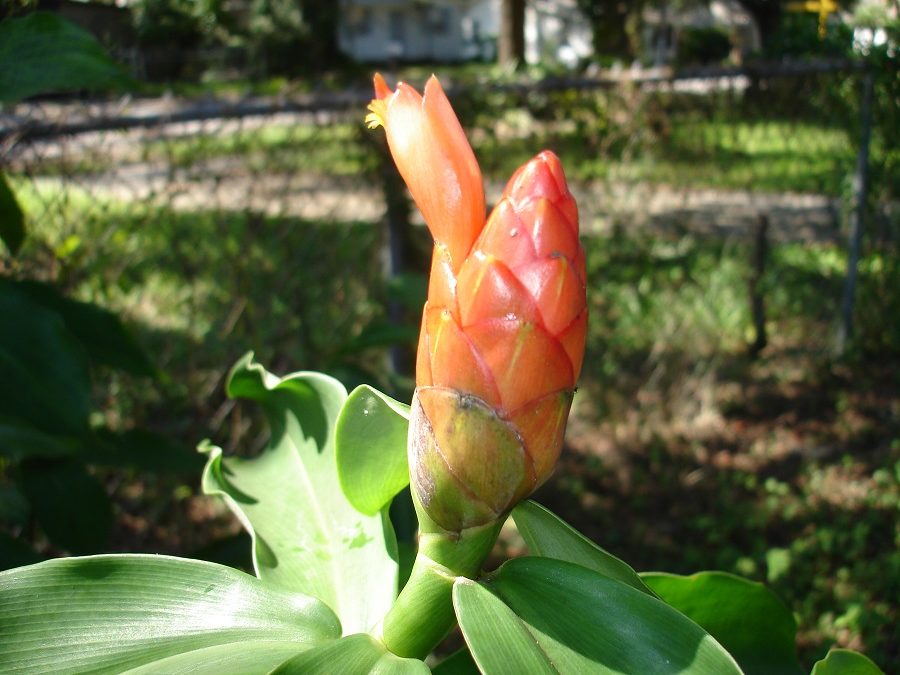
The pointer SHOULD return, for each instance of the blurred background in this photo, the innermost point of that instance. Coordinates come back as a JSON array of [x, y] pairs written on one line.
[[737, 169]]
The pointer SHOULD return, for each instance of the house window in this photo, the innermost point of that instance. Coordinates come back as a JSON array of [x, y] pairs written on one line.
[[439, 20], [398, 26], [360, 21]]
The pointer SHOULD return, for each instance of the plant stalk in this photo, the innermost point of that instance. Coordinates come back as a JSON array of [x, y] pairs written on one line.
[[423, 613]]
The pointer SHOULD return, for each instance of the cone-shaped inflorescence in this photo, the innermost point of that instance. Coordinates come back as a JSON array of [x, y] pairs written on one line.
[[503, 329]]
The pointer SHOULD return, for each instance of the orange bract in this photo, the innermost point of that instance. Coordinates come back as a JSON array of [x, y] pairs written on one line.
[[435, 159], [504, 325]]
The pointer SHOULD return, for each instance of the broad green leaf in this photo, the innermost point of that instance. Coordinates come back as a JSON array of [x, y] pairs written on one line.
[[12, 220], [548, 536], [70, 505], [498, 640], [544, 615], [43, 53], [748, 619], [353, 655], [459, 662], [43, 367], [107, 614], [371, 448], [845, 662], [236, 658], [99, 330], [306, 536]]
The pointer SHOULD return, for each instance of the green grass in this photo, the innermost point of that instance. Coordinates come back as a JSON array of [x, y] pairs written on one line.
[[756, 156], [687, 454], [334, 150], [593, 134]]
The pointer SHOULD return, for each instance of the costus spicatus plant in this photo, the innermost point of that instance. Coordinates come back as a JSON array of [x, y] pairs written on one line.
[[500, 350]]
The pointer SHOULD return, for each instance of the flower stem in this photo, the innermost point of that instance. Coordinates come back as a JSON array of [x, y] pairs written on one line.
[[423, 613]]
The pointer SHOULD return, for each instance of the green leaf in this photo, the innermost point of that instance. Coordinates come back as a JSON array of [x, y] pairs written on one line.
[[459, 662], [499, 640], [352, 655], [845, 662], [748, 619], [43, 367], [542, 615], [237, 658], [42, 53], [548, 536], [12, 220], [99, 330], [306, 536], [371, 448], [106, 614], [70, 505]]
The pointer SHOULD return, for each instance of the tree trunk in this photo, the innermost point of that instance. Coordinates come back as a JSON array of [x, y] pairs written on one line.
[[512, 32], [767, 16]]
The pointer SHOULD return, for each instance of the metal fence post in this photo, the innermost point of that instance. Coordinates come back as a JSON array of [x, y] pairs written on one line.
[[857, 214]]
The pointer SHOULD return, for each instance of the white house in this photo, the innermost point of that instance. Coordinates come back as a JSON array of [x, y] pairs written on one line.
[[557, 32], [419, 30], [458, 30]]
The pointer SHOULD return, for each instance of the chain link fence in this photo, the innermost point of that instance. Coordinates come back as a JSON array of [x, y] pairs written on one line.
[[181, 212], [707, 149]]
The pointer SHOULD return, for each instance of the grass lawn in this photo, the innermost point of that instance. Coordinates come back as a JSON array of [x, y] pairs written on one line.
[[684, 453]]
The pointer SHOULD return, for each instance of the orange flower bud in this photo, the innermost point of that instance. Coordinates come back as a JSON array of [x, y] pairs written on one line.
[[503, 329], [435, 159]]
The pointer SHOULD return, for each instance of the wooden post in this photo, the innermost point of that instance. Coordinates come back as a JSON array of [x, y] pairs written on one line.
[[757, 299], [512, 32], [857, 215]]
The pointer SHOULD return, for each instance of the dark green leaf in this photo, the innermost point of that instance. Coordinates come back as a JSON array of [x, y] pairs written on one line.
[[12, 220], [107, 614], [550, 537], [543, 615], [69, 503], [748, 619], [20, 440], [43, 53], [306, 536], [352, 655], [134, 448], [410, 290], [845, 662], [14, 507], [141, 450], [100, 331], [43, 367], [234, 551], [371, 448], [16, 553], [459, 662], [380, 335]]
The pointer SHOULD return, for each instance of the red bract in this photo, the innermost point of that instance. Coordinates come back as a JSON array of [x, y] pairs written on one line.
[[503, 328]]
